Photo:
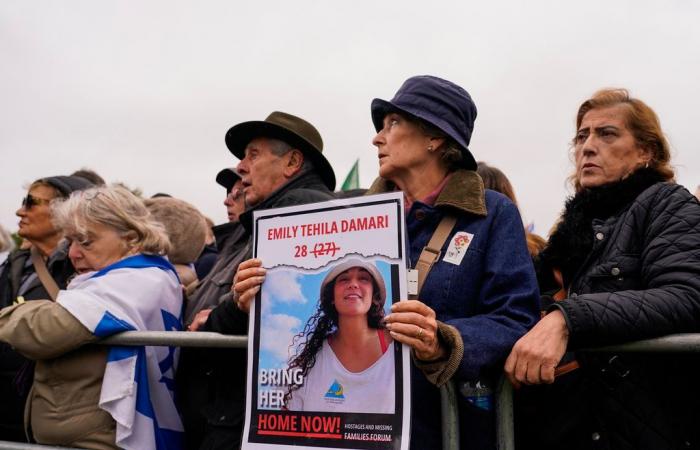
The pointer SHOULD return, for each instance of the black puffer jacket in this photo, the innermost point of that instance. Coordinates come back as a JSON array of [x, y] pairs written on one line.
[[195, 369], [630, 254]]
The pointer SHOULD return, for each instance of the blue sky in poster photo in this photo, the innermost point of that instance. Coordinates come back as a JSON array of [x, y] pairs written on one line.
[[289, 297]]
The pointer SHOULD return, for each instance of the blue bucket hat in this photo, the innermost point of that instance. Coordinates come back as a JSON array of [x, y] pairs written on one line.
[[439, 102]]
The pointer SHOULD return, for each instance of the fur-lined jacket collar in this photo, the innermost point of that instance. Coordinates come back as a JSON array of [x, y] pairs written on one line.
[[572, 240], [464, 190]]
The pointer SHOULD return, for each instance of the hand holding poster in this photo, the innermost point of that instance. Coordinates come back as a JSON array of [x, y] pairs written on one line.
[[323, 372]]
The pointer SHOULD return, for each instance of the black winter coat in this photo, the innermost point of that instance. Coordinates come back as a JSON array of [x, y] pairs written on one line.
[[640, 279], [195, 370], [226, 406]]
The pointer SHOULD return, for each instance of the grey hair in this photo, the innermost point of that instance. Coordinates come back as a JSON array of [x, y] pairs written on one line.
[[115, 207], [279, 148]]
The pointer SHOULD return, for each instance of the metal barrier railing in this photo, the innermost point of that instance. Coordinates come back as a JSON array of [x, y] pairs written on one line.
[[7, 445], [677, 343]]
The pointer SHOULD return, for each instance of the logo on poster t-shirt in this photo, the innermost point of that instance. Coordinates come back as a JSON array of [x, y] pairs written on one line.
[[335, 393]]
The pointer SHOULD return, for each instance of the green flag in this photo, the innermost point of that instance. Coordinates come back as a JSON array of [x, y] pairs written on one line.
[[352, 181]]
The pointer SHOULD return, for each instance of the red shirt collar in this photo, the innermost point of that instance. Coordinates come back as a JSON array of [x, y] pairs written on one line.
[[430, 198]]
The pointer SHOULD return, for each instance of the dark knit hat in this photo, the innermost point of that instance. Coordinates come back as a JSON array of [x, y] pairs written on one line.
[[65, 185], [227, 178], [439, 102]]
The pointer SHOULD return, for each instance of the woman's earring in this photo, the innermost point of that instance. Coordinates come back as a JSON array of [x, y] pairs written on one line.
[[646, 166], [430, 148]]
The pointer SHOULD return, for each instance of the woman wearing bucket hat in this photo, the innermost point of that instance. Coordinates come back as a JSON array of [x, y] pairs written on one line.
[[480, 295], [345, 347]]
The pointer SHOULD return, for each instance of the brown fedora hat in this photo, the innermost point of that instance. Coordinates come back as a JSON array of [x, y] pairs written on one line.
[[293, 130]]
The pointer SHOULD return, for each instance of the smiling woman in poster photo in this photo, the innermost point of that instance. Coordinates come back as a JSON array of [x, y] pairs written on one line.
[[346, 355]]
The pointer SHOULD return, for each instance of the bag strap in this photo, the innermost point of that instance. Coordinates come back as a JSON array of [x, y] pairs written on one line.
[[43, 273], [431, 252]]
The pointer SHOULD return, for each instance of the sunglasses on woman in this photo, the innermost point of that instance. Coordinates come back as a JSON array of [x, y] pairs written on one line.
[[29, 201]]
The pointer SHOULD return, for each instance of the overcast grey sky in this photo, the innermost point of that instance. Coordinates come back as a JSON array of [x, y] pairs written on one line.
[[144, 91]]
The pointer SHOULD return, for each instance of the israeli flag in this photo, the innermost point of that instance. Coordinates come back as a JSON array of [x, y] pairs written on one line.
[[141, 293]]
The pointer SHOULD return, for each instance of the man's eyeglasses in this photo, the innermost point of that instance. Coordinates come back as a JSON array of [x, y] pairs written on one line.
[[29, 201], [235, 193]]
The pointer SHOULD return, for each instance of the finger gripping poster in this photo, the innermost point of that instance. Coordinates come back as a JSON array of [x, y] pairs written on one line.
[[323, 371]]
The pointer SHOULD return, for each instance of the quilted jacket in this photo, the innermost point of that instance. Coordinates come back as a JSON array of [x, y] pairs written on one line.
[[641, 279]]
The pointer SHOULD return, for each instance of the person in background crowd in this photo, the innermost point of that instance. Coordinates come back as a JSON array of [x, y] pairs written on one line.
[[535, 243], [91, 396], [496, 180], [187, 231], [350, 193], [626, 251], [196, 365], [6, 244], [281, 164], [207, 258], [229, 239], [90, 175], [472, 307], [19, 282]]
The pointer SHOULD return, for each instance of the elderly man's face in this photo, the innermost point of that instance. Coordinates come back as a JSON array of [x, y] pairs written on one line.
[[262, 172], [234, 201]]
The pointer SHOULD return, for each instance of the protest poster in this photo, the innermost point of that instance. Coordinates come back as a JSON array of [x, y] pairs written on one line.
[[333, 271]]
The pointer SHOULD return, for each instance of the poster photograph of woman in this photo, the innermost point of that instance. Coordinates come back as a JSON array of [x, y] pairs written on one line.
[[324, 371]]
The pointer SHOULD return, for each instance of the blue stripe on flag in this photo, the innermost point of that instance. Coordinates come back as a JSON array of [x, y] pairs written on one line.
[[119, 353], [165, 439], [138, 262], [143, 397], [111, 324], [170, 323]]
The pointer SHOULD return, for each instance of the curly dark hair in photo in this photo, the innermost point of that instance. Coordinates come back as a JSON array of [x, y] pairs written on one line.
[[324, 323]]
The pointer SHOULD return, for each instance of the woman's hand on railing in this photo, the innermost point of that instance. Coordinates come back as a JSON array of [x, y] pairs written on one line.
[[535, 356], [199, 320], [246, 283]]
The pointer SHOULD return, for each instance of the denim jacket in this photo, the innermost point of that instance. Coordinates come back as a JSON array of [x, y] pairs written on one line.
[[484, 304]]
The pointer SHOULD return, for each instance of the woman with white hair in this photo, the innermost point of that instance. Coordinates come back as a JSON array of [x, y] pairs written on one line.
[[91, 396]]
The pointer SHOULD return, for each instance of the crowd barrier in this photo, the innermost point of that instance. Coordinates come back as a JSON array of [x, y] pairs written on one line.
[[677, 343]]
